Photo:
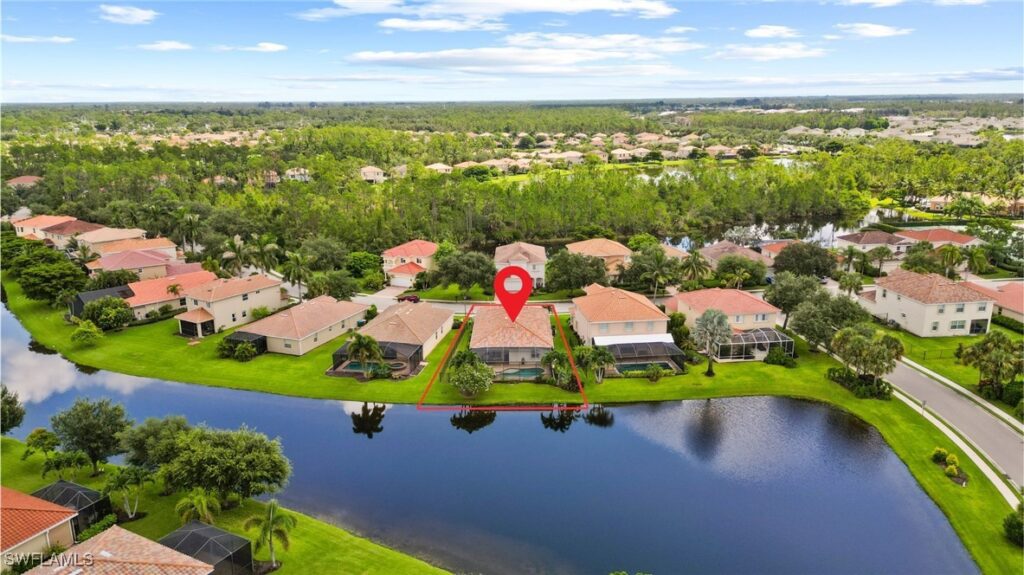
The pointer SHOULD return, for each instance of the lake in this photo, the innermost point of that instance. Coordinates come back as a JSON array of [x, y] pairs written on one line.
[[743, 485]]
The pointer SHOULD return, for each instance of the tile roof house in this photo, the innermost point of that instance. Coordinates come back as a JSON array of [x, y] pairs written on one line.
[[163, 245], [1009, 298], [929, 305], [148, 264], [396, 260], [512, 348], [371, 174], [97, 238], [24, 182], [871, 239], [89, 504], [530, 257], [674, 252], [715, 252], [772, 249], [304, 327], [35, 225], [225, 303], [939, 237], [745, 310], [607, 311], [151, 294], [117, 551], [614, 254], [61, 233], [32, 525], [297, 174], [440, 168], [406, 332]]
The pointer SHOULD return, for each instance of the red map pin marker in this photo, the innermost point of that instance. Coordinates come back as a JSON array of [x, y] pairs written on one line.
[[513, 302]]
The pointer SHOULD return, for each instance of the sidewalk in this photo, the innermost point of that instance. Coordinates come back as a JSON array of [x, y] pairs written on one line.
[[984, 403]]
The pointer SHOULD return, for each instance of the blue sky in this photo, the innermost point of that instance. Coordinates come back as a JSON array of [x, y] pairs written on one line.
[[410, 50]]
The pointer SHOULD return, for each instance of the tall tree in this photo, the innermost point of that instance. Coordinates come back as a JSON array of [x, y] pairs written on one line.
[[272, 525], [11, 411], [365, 350], [951, 257], [264, 251], [467, 269], [198, 505], [296, 269], [999, 360], [127, 482], [880, 255], [695, 266], [91, 427], [710, 330], [803, 258], [850, 282], [569, 271], [790, 290], [236, 255]]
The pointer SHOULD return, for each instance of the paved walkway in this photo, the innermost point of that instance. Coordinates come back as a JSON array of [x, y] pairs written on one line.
[[999, 442]]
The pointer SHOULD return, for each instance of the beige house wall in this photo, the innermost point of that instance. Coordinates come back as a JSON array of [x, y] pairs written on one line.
[[391, 262], [743, 322], [1000, 310], [141, 311], [61, 535], [239, 305], [587, 329], [435, 338], [290, 346], [536, 271], [927, 320]]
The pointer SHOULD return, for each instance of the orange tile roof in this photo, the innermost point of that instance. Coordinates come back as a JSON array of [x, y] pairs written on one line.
[[25, 516], [44, 221], [600, 247], [24, 181], [117, 551], [220, 289], [408, 268], [729, 301], [197, 315], [306, 318], [407, 322], [605, 304], [412, 249], [872, 237], [155, 290], [929, 288], [724, 248], [32, 237], [673, 252], [493, 328], [107, 235], [520, 251], [72, 227], [937, 235], [133, 244], [1007, 296], [777, 246], [131, 259]]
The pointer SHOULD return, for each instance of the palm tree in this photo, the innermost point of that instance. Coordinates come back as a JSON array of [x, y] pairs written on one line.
[[695, 267], [198, 504], [84, 254], [128, 481], [850, 254], [951, 257], [296, 269], [188, 227], [558, 362], [272, 524], [880, 254], [64, 461], [174, 289], [236, 255], [977, 259], [661, 269], [368, 421], [264, 251], [850, 282], [365, 350], [711, 329], [593, 360], [735, 280]]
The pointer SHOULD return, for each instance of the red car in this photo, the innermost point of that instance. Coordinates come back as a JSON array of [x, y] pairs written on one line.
[[411, 297]]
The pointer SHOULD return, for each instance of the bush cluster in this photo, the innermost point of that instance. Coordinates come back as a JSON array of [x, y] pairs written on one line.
[[778, 357], [240, 351], [1009, 323], [863, 388], [98, 527]]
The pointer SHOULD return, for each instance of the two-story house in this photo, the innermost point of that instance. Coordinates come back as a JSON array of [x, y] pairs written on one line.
[[401, 264], [530, 257], [32, 228], [929, 305], [607, 311], [614, 254], [751, 318], [226, 303], [871, 239]]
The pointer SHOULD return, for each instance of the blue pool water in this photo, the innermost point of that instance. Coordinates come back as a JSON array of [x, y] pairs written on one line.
[[522, 372], [624, 367]]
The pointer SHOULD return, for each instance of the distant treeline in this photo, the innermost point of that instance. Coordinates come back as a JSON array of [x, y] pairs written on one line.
[[784, 121]]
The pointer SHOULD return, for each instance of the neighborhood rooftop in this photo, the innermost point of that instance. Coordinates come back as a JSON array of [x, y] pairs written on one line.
[[872, 237], [155, 290], [492, 328], [937, 235], [306, 318], [72, 227], [930, 288], [117, 551], [729, 301], [131, 259], [412, 249], [407, 323], [599, 247], [1009, 296], [603, 304], [133, 244], [25, 516], [520, 251], [219, 289], [724, 248]]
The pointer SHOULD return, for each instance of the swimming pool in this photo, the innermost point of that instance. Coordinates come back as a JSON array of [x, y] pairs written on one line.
[[521, 373], [624, 367], [358, 366]]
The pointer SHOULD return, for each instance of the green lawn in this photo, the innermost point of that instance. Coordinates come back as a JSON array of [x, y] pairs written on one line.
[[316, 547], [476, 293], [975, 512], [999, 274], [936, 353]]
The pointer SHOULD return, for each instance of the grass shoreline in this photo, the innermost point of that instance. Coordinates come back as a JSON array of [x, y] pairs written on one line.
[[974, 512]]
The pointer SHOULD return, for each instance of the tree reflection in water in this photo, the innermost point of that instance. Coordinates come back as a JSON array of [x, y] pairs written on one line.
[[599, 416], [560, 420], [473, 420], [705, 431], [368, 420]]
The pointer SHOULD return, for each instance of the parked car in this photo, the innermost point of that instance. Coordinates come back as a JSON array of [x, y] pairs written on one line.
[[410, 298]]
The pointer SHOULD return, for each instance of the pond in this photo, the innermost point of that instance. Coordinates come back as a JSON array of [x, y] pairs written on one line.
[[744, 485]]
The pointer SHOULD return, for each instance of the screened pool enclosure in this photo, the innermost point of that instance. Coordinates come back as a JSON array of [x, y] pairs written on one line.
[[753, 344]]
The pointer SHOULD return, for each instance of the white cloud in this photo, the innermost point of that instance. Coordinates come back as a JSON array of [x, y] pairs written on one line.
[[441, 25], [165, 46], [959, 2], [487, 9], [866, 30], [259, 47], [768, 52], [36, 39], [832, 37], [618, 42], [680, 30], [876, 3], [771, 31], [556, 23], [127, 14], [872, 80], [388, 78]]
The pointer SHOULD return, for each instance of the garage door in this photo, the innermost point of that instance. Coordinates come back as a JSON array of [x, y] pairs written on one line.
[[401, 281]]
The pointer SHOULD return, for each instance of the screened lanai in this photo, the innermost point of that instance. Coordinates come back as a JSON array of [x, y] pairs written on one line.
[[90, 504], [636, 352], [754, 344], [228, 553], [401, 358]]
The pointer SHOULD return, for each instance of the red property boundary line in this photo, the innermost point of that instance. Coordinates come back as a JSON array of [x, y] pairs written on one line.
[[420, 405]]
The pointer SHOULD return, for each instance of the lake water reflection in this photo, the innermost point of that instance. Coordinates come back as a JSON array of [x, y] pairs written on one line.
[[744, 485]]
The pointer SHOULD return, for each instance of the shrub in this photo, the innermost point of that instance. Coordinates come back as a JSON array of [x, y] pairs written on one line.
[[862, 388], [244, 351], [952, 460], [654, 373], [166, 309], [108, 313], [225, 348], [939, 455], [380, 371], [1009, 323], [1013, 392], [259, 313], [776, 356], [152, 314], [371, 312], [952, 471], [1019, 410], [98, 527], [1013, 526]]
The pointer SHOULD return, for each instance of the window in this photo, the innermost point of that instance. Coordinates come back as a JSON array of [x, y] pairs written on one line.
[[245, 297], [245, 313], [195, 302], [885, 292], [316, 337], [935, 326], [650, 326], [628, 327], [603, 328], [960, 308], [957, 324], [982, 306], [942, 309], [762, 317], [287, 345], [737, 319], [182, 302], [233, 318]]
